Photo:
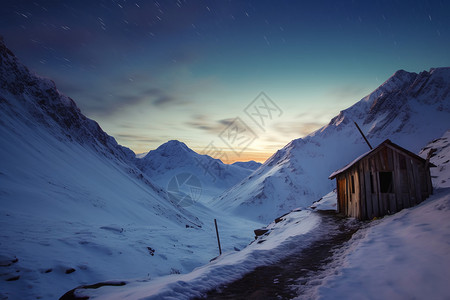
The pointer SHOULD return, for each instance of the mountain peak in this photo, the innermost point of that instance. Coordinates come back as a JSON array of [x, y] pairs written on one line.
[[402, 73], [175, 143], [174, 157], [398, 81], [38, 99], [171, 148]]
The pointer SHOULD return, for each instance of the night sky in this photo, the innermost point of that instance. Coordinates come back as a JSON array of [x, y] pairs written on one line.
[[152, 71]]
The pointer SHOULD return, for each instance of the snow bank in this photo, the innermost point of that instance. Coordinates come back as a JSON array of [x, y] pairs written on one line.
[[403, 256], [292, 230], [327, 202], [440, 156]]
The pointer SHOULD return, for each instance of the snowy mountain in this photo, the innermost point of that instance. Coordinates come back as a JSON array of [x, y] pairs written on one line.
[[38, 123], [174, 157], [38, 99], [73, 207], [77, 208], [410, 109]]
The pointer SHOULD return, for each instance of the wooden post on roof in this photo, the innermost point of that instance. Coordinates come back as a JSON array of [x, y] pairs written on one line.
[[360, 131]]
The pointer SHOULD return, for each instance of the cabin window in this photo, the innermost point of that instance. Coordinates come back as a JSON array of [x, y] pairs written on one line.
[[386, 182], [353, 184]]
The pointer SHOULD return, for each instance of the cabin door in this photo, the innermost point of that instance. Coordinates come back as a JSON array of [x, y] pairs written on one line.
[[341, 185]]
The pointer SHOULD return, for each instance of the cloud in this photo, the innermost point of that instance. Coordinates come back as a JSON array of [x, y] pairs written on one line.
[[351, 93], [204, 123], [164, 100], [137, 138], [226, 122], [159, 98], [296, 129], [108, 105]]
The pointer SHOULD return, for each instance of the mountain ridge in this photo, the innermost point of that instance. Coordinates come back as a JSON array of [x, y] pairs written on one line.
[[175, 157], [409, 108], [72, 200], [20, 82]]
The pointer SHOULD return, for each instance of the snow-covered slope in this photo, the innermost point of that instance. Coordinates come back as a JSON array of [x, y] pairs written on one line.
[[174, 157], [297, 231], [28, 98], [73, 207], [47, 141], [440, 157], [410, 109], [401, 256]]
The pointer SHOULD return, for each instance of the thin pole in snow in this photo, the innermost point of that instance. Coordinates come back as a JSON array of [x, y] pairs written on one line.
[[218, 239]]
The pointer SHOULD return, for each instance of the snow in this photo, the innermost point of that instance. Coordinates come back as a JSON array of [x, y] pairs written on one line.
[[74, 207], [77, 208], [349, 165], [290, 233], [141, 155], [327, 202], [71, 208], [402, 256], [440, 175]]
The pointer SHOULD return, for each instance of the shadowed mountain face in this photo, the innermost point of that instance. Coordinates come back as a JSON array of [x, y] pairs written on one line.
[[43, 104], [70, 196], [45, 123], [410, 109]]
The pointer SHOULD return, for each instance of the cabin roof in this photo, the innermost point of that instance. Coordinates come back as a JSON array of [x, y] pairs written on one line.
[[383, 144]]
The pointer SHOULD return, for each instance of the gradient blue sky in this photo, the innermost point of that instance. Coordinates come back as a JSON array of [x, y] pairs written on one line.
[[151, 71]]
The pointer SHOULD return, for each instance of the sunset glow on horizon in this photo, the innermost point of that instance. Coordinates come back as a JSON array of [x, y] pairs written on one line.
[[149, 72]]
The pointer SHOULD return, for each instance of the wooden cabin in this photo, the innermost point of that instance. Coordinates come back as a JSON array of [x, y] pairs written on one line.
[[382, 181]]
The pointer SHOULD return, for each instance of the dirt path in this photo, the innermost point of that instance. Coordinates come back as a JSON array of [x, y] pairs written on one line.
[[277, 281]]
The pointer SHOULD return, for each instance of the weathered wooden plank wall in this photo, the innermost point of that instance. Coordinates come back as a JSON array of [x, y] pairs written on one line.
[[411, 184], [369, 214]]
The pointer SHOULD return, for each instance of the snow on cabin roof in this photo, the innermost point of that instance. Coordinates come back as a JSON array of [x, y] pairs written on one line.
[[345, 168]]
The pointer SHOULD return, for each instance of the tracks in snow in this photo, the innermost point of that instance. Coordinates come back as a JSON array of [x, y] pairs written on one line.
[[290, 276]]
